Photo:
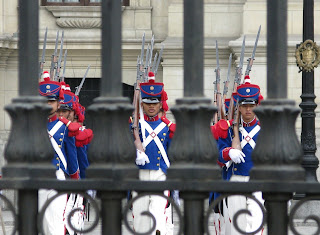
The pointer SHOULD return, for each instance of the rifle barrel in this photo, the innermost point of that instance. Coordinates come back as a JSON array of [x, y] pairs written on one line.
[[82, 82]]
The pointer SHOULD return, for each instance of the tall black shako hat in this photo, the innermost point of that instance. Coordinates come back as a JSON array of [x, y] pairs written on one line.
[[248, 93]]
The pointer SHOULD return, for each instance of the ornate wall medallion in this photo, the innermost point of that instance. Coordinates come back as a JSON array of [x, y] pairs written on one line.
[[307, 56]]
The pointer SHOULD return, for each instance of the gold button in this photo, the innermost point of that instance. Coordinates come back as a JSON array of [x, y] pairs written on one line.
[[59, 146], [161, 139], [57, 164], [57, 158], [159, 152], [158, 158], [60, 139], [235, 169], [61, 133], [158, 164], [164, 134]]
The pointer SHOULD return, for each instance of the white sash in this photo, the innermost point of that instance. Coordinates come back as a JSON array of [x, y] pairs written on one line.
[[153, 135], [52, 132], [247, 138]]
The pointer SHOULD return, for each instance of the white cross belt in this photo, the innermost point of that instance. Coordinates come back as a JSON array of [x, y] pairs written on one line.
[[247, 138]]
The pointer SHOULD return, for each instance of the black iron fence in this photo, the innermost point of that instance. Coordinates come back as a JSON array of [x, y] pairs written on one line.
[[277, 156]]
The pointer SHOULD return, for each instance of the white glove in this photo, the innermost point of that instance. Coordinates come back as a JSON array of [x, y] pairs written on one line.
[[142, 158], [236, 156]]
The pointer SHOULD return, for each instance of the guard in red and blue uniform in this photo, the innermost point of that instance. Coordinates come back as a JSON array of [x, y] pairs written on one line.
[[65, 158], [72, 114], [239, 162], [153, 163], [220, 215]]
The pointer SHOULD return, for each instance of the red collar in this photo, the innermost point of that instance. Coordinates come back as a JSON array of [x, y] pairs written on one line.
[[151, 119], [53, 118], [247, 124]]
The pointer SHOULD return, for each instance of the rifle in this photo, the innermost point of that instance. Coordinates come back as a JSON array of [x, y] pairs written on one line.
[[145, 74], [217, 98], [251, 59], [136, 105], [158, 62], [236, 138], [43, 53], [82, 82], [151, 51], [225, 87], [54, 57], [237, 79], [154, 62], [64, 66], [57, 75]]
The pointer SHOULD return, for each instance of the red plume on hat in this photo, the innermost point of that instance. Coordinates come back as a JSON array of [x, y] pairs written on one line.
[[151, 77], [164, 98], [247, 79], [260, 99], [46, 76]]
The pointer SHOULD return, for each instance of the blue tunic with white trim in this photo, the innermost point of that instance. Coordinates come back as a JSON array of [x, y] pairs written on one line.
[[247, 144], [153, 152], [68, 148]]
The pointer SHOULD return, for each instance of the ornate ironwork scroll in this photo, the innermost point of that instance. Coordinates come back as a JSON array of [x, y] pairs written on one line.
[[93, 203], [239, 213], [294, 210], [147, 213]]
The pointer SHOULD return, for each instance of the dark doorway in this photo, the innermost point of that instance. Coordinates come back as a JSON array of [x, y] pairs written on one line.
[[91, 90]]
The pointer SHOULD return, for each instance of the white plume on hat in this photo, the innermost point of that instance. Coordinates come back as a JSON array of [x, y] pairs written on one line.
[[45, 75]]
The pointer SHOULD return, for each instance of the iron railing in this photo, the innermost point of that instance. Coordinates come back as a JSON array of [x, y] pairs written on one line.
[[277, 156]]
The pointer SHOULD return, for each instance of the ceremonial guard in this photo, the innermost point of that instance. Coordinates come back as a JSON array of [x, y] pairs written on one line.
[[65, 158], [70, 112], [153, 160], [235, 152], [220, 215]]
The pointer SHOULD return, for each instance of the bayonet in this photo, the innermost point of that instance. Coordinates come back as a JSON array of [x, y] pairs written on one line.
[[56, 77], [43, 53], [158, 62], [237, 79], [251, 59], [64, 66], [217, 86], [142, 50], [227, 81], [154, 62], [138, 68], [82, 82], [145, 75], [217, 70], [151, 51], [54, 57]]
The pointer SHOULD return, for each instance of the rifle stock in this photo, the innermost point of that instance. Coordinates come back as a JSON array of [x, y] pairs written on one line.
[[236, 138], [135, 126]]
